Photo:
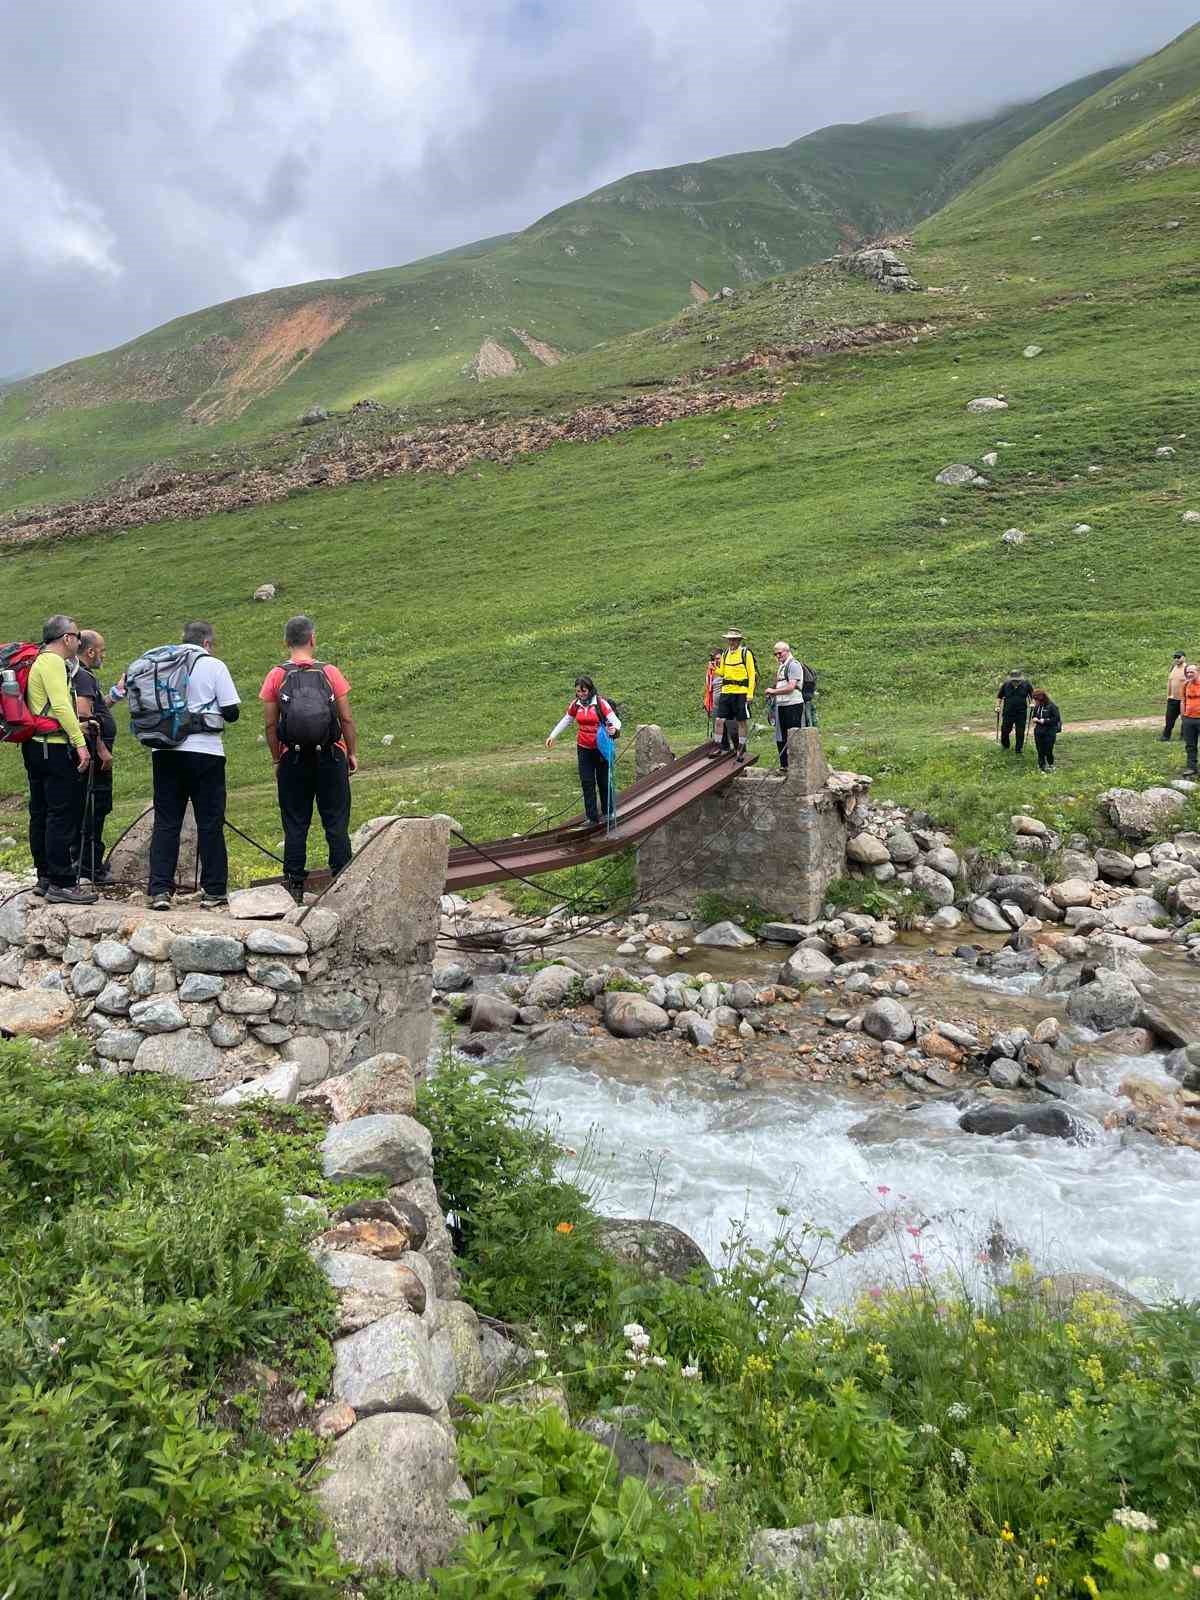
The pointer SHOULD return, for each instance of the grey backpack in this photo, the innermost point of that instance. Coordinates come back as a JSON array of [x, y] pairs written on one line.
[[157, 688]]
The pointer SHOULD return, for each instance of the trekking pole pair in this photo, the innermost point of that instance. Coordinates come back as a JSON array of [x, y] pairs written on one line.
[[88, 826]]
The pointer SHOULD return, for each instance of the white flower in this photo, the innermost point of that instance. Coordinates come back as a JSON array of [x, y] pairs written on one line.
[[957, 1412], [579, 1327], [639, 1341], [690, 1372], [632, 1329], [628, 1377], [927, 1427], [1137, 1521], [657, 1361], [539, 1355], [957, 1458], [1162, 1561]]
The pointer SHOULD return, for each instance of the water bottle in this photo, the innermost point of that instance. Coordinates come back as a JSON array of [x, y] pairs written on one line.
[[11, 698]]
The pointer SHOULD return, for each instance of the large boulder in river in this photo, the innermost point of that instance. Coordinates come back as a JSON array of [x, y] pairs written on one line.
[[632, 1016], [934, 884], [1052, 1122], [987, 915], [550, 987], [1060, 1290], [726, 936], [1140, 815], [888, 1019], [1109, 1001], [655, 1249], [1136, 911], [805, 966]]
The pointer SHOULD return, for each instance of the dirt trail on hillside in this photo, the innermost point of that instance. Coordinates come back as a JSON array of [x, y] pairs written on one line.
[[1101, 725]]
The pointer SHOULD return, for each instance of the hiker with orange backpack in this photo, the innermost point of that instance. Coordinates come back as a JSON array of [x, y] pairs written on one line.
[[38, 711], [1189, 721], [314, 745]]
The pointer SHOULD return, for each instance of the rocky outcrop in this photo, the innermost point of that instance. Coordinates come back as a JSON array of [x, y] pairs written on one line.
[[883, 266], [654, 1249]]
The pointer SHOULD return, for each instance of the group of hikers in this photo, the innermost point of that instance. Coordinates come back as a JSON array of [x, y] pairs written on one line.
[[182, 697], [180, 700]]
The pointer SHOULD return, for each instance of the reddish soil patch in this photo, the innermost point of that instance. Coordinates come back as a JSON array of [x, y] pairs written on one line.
[[492, 360], [698, 292], [538, 348]]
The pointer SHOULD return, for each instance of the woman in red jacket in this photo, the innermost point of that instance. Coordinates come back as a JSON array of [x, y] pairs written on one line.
[[588, 711]]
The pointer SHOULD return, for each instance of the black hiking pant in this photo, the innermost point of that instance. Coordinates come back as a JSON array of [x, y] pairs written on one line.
[[1190, 727], [302, 779], [1044, 739], [787, 718], [183, 777], [1173, 709], [55, 798], [94, 812], [1012, 721], [593, 780]]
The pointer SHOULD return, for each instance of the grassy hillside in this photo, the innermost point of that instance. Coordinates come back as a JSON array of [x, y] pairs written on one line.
[[462, 606], [616, 260]]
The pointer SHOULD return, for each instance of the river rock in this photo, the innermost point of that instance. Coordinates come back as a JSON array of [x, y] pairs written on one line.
[[382, 1086], [1052, 1122], [281, 1085], [783, 932], [888, 1020], [1078, 864], [1114, 865], [1005, 1074], [35, 1013], [393, 1147], [1184, 1065], [188, 1053], [1139, 815], [632, 1016], [1109, 1001], [452, 978], [654, 1249], [492, 1013], [867, 850], [944, 860], [1060, 1291], [550, 987], [206, 952], [987, 915], [1071, 892], [696, 1029], [386, 1494], [1135, 911], [805, 966], [1185, 897], [1021, 888], [725, 936], [937, 887]]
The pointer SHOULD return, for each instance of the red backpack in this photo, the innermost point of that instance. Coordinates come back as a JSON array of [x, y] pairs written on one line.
[[17, 722]]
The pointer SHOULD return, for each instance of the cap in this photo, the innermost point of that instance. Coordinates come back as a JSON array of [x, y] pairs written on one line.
[[1179, 656], [733, 633]]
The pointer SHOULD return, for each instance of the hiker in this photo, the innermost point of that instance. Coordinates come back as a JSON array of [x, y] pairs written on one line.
[[314, 745], [55, 761], [1012, 704], [94, 709], [1174, 694], [1047, 725], [1189, 721], [712, 685], [738, 677], [588, 711], [180, 698], [785, 698]]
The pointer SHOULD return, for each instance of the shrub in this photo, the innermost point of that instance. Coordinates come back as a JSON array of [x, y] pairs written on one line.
[[713, 907]]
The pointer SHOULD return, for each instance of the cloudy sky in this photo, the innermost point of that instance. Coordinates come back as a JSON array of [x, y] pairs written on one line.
[[156, 156]]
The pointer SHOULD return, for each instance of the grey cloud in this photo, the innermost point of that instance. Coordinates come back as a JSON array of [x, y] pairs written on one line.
[[162, 158]]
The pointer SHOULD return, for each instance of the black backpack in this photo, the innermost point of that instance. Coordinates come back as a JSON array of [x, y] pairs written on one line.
[[809, 685], [308, 718]]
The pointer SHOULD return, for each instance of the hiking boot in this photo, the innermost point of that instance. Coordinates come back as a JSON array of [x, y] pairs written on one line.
[[743, 755], [159, 902], [76, 895], [295, 887], [213, 902], [40, 888], [714, 748]]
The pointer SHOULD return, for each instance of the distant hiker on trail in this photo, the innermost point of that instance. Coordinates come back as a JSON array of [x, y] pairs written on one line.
[[588, 711], [180, 698], [314, 745], [1174, 694], [1012, 706], [1189, 723], [55, 760], [94, 708], [1047, 725], [785, 698], [712, 686], [739, 674]]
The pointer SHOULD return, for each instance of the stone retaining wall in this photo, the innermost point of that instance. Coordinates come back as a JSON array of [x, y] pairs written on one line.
[[779, 840]]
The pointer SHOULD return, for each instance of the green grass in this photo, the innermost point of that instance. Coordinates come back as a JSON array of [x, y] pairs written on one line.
[[613, 261]]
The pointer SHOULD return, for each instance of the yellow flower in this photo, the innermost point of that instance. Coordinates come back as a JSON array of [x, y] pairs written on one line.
[[1007, 1534], [1089, 1583], [1041, 1581], [565, 1227]]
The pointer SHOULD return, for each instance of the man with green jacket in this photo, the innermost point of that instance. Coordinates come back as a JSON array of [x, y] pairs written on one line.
[[54, 763]]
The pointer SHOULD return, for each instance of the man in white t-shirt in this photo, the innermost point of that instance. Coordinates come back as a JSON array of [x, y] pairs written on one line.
[[193, 771]]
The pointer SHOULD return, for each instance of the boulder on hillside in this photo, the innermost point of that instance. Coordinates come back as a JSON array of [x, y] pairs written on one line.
[[985, 404], [959, 475], [1139, 815], [1060, 1291], [655, 1249]]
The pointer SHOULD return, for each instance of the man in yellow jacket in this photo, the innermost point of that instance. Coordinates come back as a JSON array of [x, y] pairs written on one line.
[[738, 675], [54, 763]]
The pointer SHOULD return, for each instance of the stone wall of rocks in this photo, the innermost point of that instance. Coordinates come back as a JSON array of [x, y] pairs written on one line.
[[778, 839], [883, 266], [220, 998]]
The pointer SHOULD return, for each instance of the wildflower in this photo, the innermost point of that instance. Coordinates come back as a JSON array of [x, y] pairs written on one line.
[[916, 1232], [956, 1411], [658, 1361], [1162, 1561], [1007, 1534], [1040, 1581], [1089, 1583], [628, 1377], [918, 1258], [882, 1188], [564, 1227], [690, 1372], [539, 1355], [632, 1329], [579, 1327], [927, 1427], [957, 1458], [1135, 1521], [876, 1294], [1196, 1570]]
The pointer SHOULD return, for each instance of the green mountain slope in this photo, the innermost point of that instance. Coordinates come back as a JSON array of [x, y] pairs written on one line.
[[617, 260], [462, 606]]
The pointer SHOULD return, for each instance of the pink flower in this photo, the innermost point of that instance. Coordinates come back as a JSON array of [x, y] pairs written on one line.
[[876, 1294], [918, 1258], [883, 1189], [983, 1257], [916, 1232]]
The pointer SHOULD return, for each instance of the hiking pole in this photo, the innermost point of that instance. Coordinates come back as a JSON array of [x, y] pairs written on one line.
[[997, 724], [88, 830]]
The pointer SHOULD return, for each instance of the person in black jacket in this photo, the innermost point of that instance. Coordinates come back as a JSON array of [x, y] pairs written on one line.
[[1012, 702], [1047, 725], [100, 729]]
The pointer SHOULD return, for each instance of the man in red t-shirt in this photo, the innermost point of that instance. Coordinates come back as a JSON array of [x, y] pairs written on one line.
[[314, 745]]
